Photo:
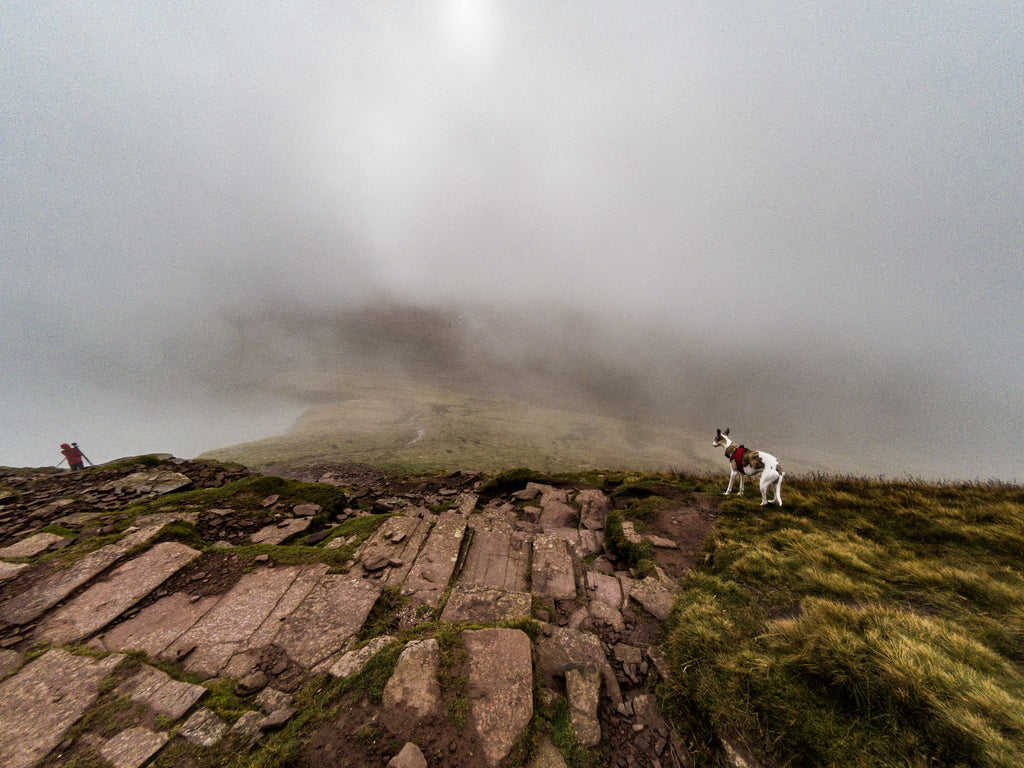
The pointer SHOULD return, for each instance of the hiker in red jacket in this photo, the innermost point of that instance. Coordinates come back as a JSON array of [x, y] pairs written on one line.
[[76, 459]]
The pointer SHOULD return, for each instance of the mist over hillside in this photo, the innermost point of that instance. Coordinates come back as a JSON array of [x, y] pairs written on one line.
[[830, 409]]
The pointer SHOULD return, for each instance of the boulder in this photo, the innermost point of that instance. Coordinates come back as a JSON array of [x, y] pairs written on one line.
[[594, 507], [153, 481], [583, 690], [410, 757], [414, 681], [353, 661], [500, 688]]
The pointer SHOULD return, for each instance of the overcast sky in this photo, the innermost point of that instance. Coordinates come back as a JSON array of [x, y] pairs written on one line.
[[821, 203]]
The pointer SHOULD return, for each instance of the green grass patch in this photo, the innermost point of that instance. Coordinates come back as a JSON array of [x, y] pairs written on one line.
[[864, 624], [381, 619], [637, 556], [564, 737], [247, 495]]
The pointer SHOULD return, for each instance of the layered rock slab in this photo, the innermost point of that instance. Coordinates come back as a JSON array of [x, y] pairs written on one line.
[[428, 578], [132, 747], [225, 629], [414, 682], [31, 546], [43, 700], [553, 574], [34, 602], [499, 557], [500, 688], [103, 602], [484, 604], [328, 619]]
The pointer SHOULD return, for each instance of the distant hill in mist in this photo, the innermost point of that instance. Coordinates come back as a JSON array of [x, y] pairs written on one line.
[[413, 427]]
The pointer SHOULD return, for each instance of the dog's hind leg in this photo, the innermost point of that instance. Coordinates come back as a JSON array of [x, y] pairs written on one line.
[[768, 478]]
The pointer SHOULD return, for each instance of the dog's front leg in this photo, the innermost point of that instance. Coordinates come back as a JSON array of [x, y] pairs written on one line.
[[732, 478], [742, 478]]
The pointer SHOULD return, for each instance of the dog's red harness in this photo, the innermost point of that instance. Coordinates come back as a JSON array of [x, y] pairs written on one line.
[[737, 456]]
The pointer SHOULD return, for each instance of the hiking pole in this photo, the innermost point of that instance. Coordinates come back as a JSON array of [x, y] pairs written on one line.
[[75, 445]]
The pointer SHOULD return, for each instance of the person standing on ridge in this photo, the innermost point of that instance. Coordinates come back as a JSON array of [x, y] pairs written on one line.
[[76, 459]]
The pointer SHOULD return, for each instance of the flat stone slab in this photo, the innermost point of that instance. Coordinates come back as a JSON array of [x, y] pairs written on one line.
[[305, 581], [399, 539], [161, 692], [155, 481], [225, 629], [583, 690], [471, 603], [43, 700], [553, 575], [34, 602], [466, 502], [498, 556], [605, 589], [327, 620], [629, 531], [204, 728], [103, 602], [582, 541], [31, 546], [78, 519], [655, 593], [278, 532], [500, 689], [132, 747], [594, 508], [428, 578], [10, 662], [606, 599], [158, 625], [10, 570], [557, 514], [414, 681]]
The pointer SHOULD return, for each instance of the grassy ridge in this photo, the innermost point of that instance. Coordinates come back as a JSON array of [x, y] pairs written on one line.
[[417, 429], [864, 624]]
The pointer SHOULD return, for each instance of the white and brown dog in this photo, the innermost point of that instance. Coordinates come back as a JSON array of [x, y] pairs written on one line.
[[744, 462]]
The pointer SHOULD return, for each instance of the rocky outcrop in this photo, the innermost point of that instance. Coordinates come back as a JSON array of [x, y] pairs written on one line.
[[265, 626]]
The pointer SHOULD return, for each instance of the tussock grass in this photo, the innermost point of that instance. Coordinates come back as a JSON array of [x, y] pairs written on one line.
[[865, 624]]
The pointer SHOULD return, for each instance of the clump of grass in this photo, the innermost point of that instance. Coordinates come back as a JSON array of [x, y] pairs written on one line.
[[563, 736], [639, 557], [866, 624], [381, 619]]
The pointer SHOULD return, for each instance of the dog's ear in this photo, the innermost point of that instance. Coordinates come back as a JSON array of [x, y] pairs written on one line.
[[718, 433], [726, 431]]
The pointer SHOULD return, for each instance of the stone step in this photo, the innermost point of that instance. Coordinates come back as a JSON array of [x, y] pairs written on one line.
[[43, 700], [105, 601], [34, 602]]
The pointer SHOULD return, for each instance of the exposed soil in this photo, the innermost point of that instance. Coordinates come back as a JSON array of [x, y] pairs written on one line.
[[688, 524]]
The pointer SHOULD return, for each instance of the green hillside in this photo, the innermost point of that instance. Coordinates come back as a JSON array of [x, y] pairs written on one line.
[[420, 429]]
